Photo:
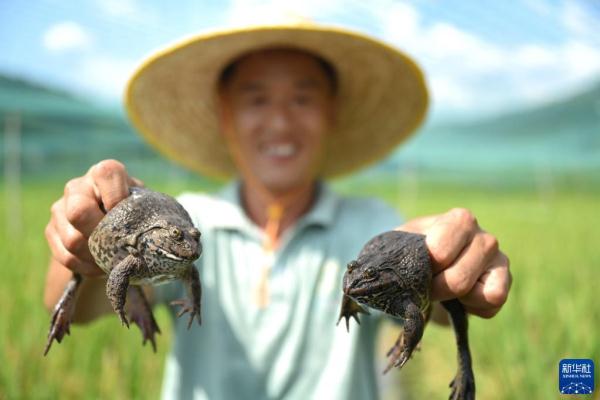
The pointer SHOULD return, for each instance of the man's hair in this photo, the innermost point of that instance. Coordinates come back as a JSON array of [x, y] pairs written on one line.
[[229, 71]]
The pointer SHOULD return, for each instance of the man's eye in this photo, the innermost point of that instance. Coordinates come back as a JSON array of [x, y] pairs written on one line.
[[302, 100], [258, 101]]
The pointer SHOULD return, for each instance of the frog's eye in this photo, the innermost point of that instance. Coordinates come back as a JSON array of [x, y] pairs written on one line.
[[352, 265], [370, 273], [175, 233]]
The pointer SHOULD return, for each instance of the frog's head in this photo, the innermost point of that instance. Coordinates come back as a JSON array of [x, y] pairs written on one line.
[[372, 282], [173, 243]]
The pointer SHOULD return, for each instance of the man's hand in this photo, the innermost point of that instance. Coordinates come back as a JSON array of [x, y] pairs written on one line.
[[467, 262], [75, 215], [73, 218]]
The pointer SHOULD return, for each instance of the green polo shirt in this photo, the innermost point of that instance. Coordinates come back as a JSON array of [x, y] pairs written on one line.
[[292, 348]]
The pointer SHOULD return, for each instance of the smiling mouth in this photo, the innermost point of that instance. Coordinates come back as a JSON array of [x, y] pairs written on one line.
[[280, 150], [170, 256]]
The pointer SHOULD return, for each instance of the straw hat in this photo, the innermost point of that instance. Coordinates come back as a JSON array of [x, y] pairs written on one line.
[[171, 98]]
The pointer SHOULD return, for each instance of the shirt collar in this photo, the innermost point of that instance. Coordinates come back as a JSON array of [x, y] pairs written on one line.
[[322, 213]]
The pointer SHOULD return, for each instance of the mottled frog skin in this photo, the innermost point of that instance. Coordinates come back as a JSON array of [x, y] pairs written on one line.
[[147, 238], [393, 274]]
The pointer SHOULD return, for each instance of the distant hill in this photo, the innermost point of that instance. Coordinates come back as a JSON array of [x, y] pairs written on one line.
[[581, 111], [62, 134], [558, 138], [18, 95]]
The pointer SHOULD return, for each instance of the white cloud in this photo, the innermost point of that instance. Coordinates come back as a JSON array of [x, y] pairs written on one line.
[[467, 72], [118, 8], [407, 21], [448, 90], [253, 12], [577, 20], [66, 36], [531, 56], [443, 41], [130, 10], [98, 73], [582, 60], [452, 58], [540, 7], [105, 75]]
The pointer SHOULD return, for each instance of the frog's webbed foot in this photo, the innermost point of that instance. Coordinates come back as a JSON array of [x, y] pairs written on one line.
[[140, 313], [193, 303], [118, 282], [188, 305], [395, 352], [414, 324], [350, 308], [63, 313], [463, 384], [462, 387]]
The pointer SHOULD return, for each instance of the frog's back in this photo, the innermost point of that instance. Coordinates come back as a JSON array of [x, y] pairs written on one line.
[[405, 252], [144, 207]]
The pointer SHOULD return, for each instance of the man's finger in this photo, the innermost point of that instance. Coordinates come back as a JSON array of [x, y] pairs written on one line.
[[483, 313], [111, 180], [79, 205], [68, 259], [449, 235], [492, 288], [72, 239], [459, 279]]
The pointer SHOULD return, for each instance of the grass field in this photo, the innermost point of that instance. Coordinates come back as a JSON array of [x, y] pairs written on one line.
[[553, 240]]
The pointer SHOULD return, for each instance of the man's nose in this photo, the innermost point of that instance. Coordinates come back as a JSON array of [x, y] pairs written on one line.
[[280, 118]]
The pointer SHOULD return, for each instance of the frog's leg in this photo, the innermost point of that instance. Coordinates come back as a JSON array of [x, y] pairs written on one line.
[[118, 282], [350, 308], [140, 312], [414, 324], [192, 303], [426, 317], [398, 345], [63, 312], [463, 384]]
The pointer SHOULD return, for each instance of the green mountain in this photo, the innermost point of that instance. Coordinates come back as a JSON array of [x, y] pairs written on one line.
[[580, 112], [562, 137], [62, 134]]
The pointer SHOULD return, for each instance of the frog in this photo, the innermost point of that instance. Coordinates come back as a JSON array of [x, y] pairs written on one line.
[[148, 238], [393, 274]]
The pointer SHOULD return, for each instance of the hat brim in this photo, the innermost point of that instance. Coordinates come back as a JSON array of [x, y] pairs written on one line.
[[171, 98]]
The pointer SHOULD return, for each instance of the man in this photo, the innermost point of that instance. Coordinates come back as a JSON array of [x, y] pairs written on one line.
[[281, 107]]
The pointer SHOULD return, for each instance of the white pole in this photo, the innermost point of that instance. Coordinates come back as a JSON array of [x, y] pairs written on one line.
[[12, 174]]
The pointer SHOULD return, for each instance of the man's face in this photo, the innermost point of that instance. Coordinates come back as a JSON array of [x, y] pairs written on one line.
[[276, 112]]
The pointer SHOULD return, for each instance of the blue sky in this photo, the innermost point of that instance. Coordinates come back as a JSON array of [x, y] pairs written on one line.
[[479, 56]]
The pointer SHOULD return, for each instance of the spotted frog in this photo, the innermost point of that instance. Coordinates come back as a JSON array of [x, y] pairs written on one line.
[[147, 238]]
